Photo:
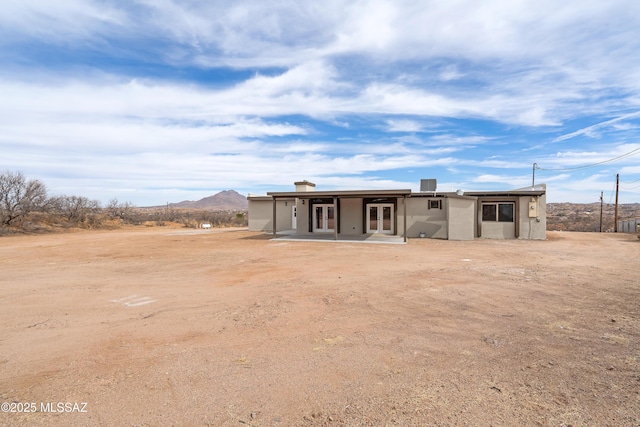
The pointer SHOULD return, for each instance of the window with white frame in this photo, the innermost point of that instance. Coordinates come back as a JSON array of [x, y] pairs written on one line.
[[435, 204], [498, 212]]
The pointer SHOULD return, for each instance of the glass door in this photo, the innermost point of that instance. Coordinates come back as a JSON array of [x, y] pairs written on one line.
[[387, 221], [380, 218], [372, 218], [323, 218]]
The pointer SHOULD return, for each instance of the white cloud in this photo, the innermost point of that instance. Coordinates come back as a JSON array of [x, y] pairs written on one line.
[[448, 139], [610, 154], [593, 130], [450, 72], [509, 182], [630, 170], [62, 21], [400, 125]]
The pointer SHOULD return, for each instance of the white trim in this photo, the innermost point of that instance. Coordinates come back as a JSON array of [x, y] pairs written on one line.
[[379, 220], [325, 226]]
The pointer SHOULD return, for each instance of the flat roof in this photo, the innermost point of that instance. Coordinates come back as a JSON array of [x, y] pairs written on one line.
[[505, 193], [395, 193], [338, 193]]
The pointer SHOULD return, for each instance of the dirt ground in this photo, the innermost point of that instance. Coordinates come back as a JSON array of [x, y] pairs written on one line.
[[159, 327]]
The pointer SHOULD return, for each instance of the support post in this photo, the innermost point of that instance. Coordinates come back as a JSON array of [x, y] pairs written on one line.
[[273, 218], [336, 217], [615, 217], [404, 220], [601, 202]]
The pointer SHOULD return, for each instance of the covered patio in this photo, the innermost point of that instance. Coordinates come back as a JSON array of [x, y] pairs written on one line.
[[353, 215]]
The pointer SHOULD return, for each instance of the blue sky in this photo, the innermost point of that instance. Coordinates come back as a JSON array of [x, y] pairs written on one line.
[[155, 101]]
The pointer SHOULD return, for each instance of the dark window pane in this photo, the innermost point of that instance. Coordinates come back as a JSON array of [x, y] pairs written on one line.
[[330, 218], [319, 219], [386, 218], [488, 212], [505, 212], [373, 218]]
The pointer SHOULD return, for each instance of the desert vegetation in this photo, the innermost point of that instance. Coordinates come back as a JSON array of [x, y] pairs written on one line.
[[26, 207], [586, 217]]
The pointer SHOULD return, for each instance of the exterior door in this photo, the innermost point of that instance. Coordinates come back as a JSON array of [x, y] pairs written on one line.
[[380, 218], [294, 217], [323, 218]]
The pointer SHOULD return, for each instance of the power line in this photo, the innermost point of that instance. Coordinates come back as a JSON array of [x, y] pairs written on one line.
[[613, 192], [630, 153]]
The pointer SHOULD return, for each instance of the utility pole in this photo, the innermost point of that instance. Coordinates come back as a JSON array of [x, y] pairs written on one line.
[[533, 179], [615, 217], [601, 202]]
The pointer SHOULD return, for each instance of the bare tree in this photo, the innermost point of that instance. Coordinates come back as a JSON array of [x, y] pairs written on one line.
[[116, 209], [113, 209], [19, 197], [123, 211], [75, 208]]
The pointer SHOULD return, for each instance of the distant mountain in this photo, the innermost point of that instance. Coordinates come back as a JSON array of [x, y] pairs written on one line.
[[228, 200]]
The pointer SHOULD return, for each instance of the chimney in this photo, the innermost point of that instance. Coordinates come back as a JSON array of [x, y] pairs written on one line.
[[303, 186]]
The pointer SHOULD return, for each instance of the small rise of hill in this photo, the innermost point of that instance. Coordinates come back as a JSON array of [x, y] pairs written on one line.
[[586, 216], [228, 200]]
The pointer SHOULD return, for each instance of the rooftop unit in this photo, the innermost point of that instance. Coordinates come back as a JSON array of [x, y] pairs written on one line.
[[428, 184]]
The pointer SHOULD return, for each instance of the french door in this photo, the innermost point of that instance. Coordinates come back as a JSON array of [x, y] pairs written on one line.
[[380, 218], [323, 218]]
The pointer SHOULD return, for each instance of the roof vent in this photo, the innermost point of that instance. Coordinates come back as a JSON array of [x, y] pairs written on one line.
[[428, 184]]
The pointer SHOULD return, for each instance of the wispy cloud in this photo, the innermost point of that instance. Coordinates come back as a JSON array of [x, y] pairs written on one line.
[[593, 131], [404, 126]]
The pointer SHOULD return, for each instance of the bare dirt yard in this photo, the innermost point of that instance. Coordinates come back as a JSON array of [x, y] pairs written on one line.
[[161, 326]]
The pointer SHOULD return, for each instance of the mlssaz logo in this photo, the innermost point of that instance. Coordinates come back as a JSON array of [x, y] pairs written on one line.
[[63, 407]]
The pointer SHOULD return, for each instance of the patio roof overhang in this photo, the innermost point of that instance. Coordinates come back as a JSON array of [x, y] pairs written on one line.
[[340, 194]]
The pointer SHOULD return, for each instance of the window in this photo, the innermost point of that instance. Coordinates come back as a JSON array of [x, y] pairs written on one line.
[[498, 212], [488, 212], [505, 212], [435, 204]]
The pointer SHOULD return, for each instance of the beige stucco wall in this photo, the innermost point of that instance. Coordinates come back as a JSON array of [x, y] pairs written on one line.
[[433, 222], [303, 217], [493, 229], [523, 227], [261, 213], [461, 218], [498, 230], [351, 216], [399, 215], [533, 228]]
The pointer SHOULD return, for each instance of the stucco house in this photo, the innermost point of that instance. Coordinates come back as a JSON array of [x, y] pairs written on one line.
[[513, 214]]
